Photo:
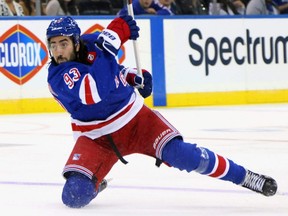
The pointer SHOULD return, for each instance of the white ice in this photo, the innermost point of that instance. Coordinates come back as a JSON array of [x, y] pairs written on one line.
[[35, 147]]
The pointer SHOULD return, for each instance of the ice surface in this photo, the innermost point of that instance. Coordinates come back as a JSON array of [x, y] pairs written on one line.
[[35, 147]]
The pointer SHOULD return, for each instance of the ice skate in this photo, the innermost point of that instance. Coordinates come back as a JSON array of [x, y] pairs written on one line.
[[260, 183], [103, 185]]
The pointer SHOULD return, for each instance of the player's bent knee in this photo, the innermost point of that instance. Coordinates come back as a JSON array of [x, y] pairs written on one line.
[[181, 155], [78, 190]]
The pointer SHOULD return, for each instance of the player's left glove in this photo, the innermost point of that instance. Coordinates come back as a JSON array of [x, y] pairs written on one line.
[[135, 80], [147, 88], [117, 33]]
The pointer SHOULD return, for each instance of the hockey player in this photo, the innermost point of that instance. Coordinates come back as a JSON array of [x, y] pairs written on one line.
[[110, 120]]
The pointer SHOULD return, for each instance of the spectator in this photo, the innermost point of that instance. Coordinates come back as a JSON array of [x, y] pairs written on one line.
[[146, 7], [140, 7], [29, 7], [282, 6], [261, 7], [245, 2], [61, 7], [227, 7], [117, 5], [195, 7], [10, 8], [240, 6], [232, 7], [95, 7], [165, 7]]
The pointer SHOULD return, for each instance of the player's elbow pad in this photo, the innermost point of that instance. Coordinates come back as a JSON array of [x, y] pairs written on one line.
[[110, 41]]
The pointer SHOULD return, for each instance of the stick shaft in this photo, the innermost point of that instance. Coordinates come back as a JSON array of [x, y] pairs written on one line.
[[135, 43]]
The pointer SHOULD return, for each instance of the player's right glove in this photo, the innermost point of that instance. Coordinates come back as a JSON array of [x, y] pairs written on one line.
[[126, 28], [135, 80], [117, 33]]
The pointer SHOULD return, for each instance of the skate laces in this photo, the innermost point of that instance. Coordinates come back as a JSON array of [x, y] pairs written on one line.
[[254, 181]]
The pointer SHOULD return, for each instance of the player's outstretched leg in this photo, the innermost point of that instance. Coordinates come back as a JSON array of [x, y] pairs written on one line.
[[189, 157], [79, 190]]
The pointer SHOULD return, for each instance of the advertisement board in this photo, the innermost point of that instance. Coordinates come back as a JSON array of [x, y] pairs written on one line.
[[194, 60]]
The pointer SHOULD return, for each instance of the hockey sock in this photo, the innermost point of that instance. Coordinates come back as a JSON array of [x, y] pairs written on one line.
[[220, 167], [78, 190], [189, 157]]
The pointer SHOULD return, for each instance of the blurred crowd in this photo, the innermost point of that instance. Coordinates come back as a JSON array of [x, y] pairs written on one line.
[[142, 7]]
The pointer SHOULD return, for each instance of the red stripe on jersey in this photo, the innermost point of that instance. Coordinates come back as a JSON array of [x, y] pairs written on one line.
[[85, 128], [88, 93], [220, 168]]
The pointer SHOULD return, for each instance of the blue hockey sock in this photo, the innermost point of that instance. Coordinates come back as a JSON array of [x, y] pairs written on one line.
[[78, 190], [217, 166], [189, 157]]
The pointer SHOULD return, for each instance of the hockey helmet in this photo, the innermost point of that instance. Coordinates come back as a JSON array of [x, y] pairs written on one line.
[[64, 26]]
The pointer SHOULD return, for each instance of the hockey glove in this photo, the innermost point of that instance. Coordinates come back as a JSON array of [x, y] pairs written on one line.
[[117, 33], [125, 27], [147, 89], [135, 80]]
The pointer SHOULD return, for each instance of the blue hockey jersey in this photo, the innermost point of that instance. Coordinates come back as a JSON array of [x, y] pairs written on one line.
[[97, 96]]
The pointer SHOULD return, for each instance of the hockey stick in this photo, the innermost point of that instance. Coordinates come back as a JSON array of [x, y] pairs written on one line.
[[135, 44]]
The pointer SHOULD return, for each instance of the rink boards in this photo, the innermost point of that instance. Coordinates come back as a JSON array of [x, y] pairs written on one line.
[[195, 60]]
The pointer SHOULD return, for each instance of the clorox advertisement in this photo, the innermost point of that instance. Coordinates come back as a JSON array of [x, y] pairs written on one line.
[[22, 53]]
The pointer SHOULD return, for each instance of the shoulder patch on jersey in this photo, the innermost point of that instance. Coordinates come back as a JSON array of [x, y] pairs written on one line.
[[91, 57]]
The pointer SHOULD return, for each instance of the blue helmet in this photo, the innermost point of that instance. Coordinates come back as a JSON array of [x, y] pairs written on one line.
[[64, 26]]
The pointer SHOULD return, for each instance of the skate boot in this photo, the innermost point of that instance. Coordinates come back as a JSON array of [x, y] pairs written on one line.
[[103, 185], [260, 183]]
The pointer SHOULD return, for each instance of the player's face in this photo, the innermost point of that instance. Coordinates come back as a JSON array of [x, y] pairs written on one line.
[[62, 49]]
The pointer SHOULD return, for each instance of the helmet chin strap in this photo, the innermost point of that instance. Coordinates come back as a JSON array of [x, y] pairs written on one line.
[[52, 57], [77, 53], [50, 54]]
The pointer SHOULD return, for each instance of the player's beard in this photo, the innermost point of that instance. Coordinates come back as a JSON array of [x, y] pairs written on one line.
[[60, 59]]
